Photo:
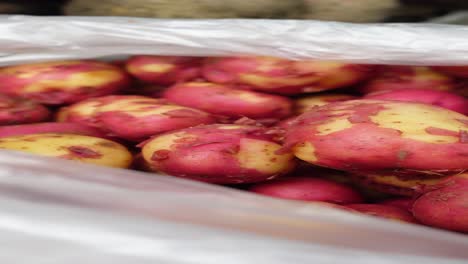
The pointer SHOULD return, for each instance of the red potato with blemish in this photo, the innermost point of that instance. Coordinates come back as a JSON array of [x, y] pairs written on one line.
[[133, 118], [50, 127], [222, 100], [164, 70], [309, 103], [223, 154], [14, 110], [384, 211], [383, 137], [443, 99], [402, 203], [80, 148], [308, 189], [281, 76], [407, 77], [398, 184], [62, 82], [445, 206]]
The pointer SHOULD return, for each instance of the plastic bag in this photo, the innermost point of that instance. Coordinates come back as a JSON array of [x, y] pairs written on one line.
[[56, 211]]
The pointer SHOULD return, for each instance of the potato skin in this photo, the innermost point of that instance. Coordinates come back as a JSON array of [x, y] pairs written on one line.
[[308, 189], [62, 82], [223, 154], [398, 184], [81, 148], [457, 71], [407, 77], [446, 206], [133, 118], [275, 75], [14, 110], [285, 124], [163, 70], [443, 99], [382, 136], [384, 211], [308, 103], [402, 203], [222, 100], [50, 127]]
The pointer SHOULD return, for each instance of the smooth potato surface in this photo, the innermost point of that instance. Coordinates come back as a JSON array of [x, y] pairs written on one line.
[[222, 100], [445, 207]]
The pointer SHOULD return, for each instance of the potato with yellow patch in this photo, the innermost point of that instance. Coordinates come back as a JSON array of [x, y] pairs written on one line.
[[62, 82], [163, 70], [382, 136], [276, 75], [393, 183], [308, 103], [443, 99], [81, 148], [14, 110], [223, 154], [133, 118], [391, 78], [222, 100]]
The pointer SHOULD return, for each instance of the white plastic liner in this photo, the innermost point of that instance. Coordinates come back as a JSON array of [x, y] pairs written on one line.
[[56, 211]]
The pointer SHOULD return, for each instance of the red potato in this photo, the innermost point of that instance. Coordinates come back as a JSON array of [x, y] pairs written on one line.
[[275, 75], [51, 127], [308, 103], [457, 71], [221, 100], [62, 82], [382, 136], [446, 206], [133, 118], [80, 148], [286, 123], [408, 77], [164, 70], [392, 183], [308, 189], [443, 99], [341, 177], [402, 203], [384, 211], [223, 154], [15, 110]]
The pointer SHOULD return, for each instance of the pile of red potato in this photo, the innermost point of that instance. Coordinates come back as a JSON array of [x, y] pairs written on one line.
[[388, 141]]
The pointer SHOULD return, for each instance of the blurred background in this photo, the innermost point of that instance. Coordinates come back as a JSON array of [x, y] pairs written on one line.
[[361, 11]]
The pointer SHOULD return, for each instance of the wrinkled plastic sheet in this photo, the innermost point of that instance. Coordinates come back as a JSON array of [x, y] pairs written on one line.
[[42, 38], [56, 211]]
